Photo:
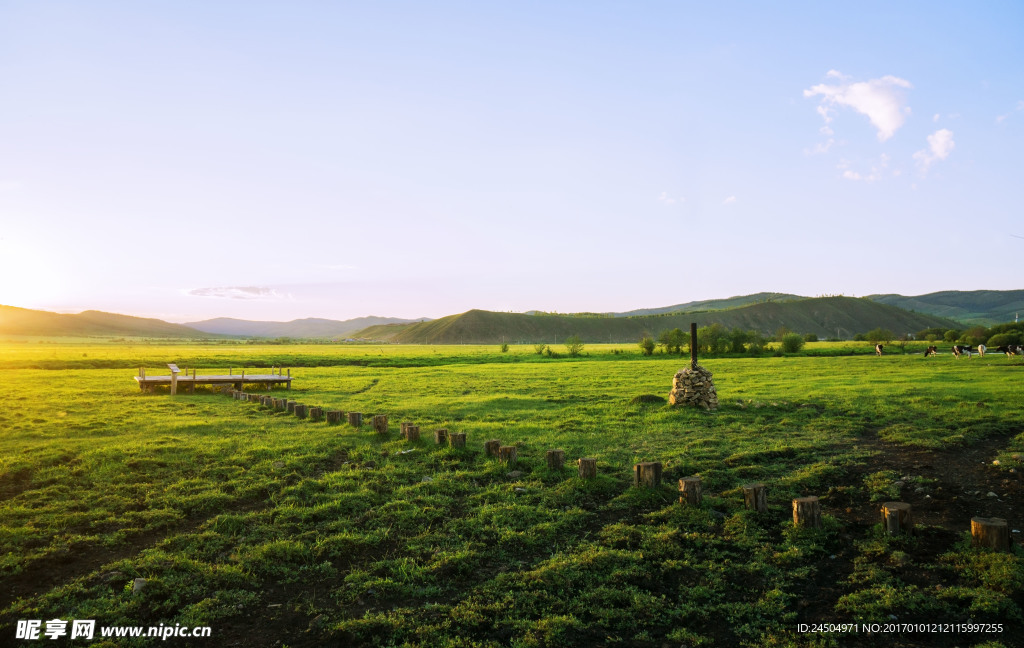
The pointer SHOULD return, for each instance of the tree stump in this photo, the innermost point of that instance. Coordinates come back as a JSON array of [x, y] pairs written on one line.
[[647, 474], [691, 491], [355, 419], [458, 439], [441, 436], [807, 512], [897, 519], [316, 414], [412, 432], [380, 423], [290, 407], [508, 454], [588, 467], [301, 410], [555, 459], [990, 533], [491, 447], [334, 417], [402, 427], [755, 497]]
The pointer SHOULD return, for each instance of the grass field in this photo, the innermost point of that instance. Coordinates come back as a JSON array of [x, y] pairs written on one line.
[[276, 531]]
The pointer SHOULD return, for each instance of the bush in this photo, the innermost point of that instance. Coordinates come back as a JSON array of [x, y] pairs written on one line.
[[952, 335], [539, 348], [879, 335], [792, 342], [504, 348], [810, 337], [647, 345], [1002, 339], [574, 345]]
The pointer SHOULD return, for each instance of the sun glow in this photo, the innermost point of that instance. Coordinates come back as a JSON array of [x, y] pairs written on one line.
[[29, 278]]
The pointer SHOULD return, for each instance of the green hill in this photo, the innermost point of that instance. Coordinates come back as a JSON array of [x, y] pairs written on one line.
[[982, 307], [714, 304], [825, 316], [24, 321], [310, 327]]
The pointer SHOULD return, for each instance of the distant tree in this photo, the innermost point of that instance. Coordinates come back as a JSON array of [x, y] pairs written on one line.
[[780, 333], [738, 339], [1002, 339], [672, 341], [647, 345], [810, 337], [976, 335], [792, 343], [539, 348], [879, 335], [504, 348], [952, 335], [574, 345]]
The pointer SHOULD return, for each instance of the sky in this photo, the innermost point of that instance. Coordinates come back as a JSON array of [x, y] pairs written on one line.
[[280, 160]]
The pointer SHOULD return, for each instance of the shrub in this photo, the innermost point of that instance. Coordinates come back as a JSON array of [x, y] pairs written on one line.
[[504, 348], [952, 335], [879, 335], [574, 345], [539, 348], [810, 337], [647, 345], [792, 342], [1002, 339]]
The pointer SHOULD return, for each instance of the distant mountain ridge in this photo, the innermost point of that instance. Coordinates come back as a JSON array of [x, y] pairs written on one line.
[[24, 321], [974, 307], [310, 327], [826, 317], [714, 304]]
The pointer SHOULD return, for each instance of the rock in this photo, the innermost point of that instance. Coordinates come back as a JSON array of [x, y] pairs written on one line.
[[991, 494], [138, 585], [370, 464], [110, 577], [692, 387], [515, 474], [427, 480]]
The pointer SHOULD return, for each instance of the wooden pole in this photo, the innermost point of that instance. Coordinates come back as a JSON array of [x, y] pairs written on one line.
[[990, 533], [807, 512], [755, 497], [412, 432], [693, 345], [491, 447], [692, 492], [289, 377], [897, 519], [555, 459], [508, 454], [647, 474], [588, 467]]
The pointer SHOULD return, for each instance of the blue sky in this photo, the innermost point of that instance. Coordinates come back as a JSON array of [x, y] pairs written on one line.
[[273, 161]]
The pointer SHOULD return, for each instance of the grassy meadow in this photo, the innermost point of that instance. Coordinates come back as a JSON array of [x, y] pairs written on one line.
[[277, 531]]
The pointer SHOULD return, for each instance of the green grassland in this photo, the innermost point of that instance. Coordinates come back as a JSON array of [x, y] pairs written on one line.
[[277, 531]]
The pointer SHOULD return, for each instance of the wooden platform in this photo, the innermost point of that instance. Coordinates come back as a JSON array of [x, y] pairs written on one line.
[[238, 380]]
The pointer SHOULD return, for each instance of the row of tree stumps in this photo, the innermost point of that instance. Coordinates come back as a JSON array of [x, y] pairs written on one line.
[[992, 533]]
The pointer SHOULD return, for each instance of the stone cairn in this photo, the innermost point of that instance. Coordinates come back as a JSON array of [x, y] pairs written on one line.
[[692, 386]]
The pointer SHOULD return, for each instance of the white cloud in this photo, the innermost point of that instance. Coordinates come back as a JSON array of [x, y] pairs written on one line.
[[666, 199], [876, 172], [1018, 108], [940, 145], [935, 118], [238, 292], [730, 200], [881, 100]]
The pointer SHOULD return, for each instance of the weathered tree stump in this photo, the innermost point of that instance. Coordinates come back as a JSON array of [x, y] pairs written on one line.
[[402, 427], [282, 404], [588, 467], [458, 439], [441, 436], [990, 533], [334, 417], [316, 414], [301, 410], [355, 419], [897, 519], [691, 491], [412, 432], [807, 512], [508, 454], [755, 497], [555, 459], [491, 447], [290, 406], [647, 473], [254, 398], [380, 423]]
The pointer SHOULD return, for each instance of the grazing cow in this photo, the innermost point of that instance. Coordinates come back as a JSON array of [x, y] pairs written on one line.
[[981, 350], [1011, 349], [932, 350], [878, 349], [961, 349]]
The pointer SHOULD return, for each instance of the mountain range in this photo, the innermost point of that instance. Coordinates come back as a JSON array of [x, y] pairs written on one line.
[[765, 312]]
